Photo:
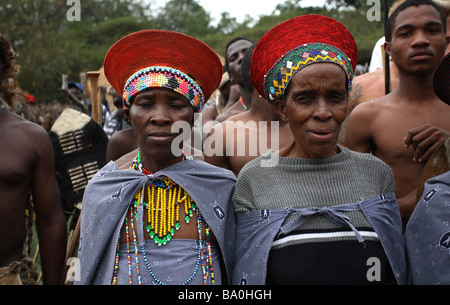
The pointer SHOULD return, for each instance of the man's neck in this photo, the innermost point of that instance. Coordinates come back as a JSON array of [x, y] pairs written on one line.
[[263, 109], [416, 87], [246, 96]]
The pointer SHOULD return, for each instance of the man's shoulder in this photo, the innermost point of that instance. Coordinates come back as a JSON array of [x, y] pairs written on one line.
[[33, 131], [242, 119], [373, 106], [369, 78]]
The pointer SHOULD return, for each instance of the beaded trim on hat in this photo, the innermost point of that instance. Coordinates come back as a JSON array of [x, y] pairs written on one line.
[[278, 77], [163, 77]]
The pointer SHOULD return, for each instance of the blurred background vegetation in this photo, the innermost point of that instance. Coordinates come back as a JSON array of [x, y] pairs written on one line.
[[49, 44]]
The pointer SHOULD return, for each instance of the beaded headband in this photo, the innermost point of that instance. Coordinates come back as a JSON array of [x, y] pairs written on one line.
[[280, 74], [163, 77], [296, 43]]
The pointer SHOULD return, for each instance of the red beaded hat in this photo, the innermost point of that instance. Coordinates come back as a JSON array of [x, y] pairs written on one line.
[[441, 79], [156, 58], [296, 43]]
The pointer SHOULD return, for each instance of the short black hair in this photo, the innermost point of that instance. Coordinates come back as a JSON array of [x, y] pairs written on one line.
[[245, 68], [229, 44], [407, 4]]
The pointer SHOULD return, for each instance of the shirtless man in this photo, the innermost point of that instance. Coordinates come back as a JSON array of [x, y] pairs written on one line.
[[404, 127], [234, 53], [370, 86], [28, 166], [245, 136]]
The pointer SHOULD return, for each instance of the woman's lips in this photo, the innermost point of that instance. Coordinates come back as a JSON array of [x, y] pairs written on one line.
[[160, 137], [322, 135]]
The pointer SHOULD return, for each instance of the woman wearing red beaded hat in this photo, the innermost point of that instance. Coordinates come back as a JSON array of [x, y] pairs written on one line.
[[156, 216], [320, 214]]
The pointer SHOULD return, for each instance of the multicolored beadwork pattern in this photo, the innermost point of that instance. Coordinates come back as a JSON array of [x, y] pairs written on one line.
[[163, 77], [279, 76]]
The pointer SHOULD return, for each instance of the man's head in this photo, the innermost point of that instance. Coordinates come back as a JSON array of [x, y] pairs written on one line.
[[234, 52], [415, 37], [403, 6], [8, 67], [75, 89], [8, 70], [245, 69]]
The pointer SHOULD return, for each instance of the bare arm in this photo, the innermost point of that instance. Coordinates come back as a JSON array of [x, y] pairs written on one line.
[[358, 130], [51, 224]]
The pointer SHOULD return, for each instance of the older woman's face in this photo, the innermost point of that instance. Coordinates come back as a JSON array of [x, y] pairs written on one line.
[[315, 106]]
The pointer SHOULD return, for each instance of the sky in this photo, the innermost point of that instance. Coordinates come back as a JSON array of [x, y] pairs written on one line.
[[239, 8]]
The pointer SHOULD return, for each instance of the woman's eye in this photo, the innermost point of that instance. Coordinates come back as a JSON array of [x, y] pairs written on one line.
[[302, 98], [177, 106], [337, 99]]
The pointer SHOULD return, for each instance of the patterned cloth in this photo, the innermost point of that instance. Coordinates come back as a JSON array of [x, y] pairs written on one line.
[[109, 194], [427, 234], [257, 229], [171, 265]]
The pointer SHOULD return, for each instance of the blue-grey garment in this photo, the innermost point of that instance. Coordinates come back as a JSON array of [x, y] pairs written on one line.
[[256, 231], [177, 263], [110, 192], [427, 234]]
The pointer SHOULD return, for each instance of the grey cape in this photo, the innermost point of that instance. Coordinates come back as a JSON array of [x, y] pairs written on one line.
[[110, 192], [427, 234], [257, 229]]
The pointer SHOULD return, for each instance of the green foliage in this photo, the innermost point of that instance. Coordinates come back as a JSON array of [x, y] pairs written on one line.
[[50, 45]]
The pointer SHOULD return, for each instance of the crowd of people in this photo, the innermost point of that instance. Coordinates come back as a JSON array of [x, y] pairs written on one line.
[[305, 173]]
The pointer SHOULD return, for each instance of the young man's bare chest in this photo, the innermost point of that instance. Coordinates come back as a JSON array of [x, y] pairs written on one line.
[[392, 125]]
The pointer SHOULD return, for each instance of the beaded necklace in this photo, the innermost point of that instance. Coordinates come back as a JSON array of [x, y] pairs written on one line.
[[163, 212], [242, 103]]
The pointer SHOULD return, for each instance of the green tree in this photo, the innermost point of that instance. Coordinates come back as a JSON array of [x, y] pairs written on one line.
[[184, 16], [49, 45]]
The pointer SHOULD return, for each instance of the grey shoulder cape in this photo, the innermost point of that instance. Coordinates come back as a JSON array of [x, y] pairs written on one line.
[[427, 234], [110, 192], [256, 231]]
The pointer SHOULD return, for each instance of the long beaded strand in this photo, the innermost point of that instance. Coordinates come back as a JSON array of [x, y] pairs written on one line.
[[128, 251], [116, 263], [135, 247], [162, 228], [199, 257], [207, 229]]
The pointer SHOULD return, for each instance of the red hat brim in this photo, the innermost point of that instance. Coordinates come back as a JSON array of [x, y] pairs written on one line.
[[149, 48], [294, 33], [441, 79]]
